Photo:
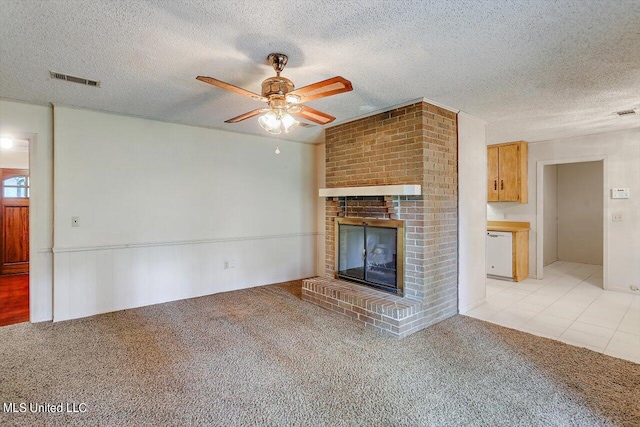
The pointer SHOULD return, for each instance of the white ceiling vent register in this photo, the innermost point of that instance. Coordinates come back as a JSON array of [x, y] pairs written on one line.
[[74, 79], [626, 112]]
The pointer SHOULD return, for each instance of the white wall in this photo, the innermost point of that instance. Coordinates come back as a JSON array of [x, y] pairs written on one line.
[[161, 207], [622, 169], [472, 221], [580, 212], [33, 122], [550, 252], [11, 158]]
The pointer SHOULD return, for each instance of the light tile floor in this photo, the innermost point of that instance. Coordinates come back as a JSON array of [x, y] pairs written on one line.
[[568, 305]]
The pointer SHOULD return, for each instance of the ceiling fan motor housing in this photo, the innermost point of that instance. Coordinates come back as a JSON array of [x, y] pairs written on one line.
[[276, 86]]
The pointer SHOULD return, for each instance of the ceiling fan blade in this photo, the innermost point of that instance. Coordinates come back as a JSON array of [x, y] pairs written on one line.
[[332, 86], [314, 115], [246, 116], [231, 88]]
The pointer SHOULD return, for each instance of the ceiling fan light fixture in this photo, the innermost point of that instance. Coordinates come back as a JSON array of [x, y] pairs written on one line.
[[275, 122], [289, 123], [270, 122], [292, 99]]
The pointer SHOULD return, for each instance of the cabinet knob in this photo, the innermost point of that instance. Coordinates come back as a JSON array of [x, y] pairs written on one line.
[[495, 184], [502, 184]]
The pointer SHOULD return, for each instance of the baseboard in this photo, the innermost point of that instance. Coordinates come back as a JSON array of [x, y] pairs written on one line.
[[470, 307], [622, 289]]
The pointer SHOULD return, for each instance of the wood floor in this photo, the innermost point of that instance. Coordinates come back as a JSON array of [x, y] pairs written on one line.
[[14, 299]]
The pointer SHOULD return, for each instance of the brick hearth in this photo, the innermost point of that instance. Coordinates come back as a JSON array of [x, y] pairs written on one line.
[[416, 144], [395, 315]]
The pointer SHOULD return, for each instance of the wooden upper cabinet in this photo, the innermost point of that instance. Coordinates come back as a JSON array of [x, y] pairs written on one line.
[[507, 172], [492, 174]]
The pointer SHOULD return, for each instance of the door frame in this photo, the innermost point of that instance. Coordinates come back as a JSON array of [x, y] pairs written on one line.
[[540, 164], [35, 183]]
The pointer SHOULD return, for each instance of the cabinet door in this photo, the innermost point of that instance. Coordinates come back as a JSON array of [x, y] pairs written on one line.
[[509, 173], [492, 174]]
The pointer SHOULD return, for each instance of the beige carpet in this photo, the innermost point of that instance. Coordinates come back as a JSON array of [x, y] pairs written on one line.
[[264, 357]]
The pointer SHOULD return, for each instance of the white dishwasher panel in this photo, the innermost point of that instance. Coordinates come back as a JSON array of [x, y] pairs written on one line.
[[500, 253]]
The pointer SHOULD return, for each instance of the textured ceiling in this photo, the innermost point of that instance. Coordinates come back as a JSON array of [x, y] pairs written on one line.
[[533, 70]]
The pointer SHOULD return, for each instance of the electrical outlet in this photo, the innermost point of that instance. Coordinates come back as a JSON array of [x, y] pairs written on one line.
[[232, 263], [75, 221], [616, 217]]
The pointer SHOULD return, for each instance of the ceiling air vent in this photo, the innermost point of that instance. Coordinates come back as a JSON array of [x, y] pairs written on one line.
[[626, 112], [74, 79]]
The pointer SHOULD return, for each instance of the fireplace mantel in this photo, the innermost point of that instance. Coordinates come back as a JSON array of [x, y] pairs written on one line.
[[373, 190]]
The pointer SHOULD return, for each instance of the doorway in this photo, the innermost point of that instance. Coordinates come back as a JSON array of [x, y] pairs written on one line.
[[571, 217], [14, 231]]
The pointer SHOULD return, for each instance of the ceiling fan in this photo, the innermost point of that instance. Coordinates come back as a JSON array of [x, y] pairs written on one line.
[[283, 102]]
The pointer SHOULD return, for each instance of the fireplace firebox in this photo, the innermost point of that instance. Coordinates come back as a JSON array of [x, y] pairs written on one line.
[[371, 252]]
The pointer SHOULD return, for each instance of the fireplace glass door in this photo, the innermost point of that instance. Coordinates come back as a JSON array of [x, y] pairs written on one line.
[[369, 254]]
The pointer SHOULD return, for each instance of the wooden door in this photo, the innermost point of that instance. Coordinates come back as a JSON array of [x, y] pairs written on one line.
[[492, 174], [509, 173], [14, 221]]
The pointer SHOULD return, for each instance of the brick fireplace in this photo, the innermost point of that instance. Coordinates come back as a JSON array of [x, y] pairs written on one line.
[[415, 144]]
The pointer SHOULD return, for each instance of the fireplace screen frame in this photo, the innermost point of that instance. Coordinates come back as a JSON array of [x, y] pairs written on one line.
[[370, 222]]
